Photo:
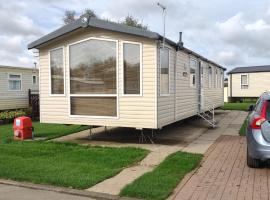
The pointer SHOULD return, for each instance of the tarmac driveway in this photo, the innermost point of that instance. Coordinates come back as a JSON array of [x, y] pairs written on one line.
[[224, 174]]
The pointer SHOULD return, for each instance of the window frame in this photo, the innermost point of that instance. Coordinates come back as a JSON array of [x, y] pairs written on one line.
[[244, 84], [8, 79], [33, 80], [221, 78], [141, 69], [191, 85], [64, 72], [169, 76], [210, 80], [94, 95]]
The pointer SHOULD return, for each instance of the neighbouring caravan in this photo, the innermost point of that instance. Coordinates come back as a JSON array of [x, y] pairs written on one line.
[[14, 85], [248, 83], [96, 72]]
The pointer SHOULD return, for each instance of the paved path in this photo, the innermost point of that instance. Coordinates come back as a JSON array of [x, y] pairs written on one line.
[[225, 175], [10, 192]]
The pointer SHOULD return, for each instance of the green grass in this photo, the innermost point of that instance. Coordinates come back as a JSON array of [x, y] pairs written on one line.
[[67, 165], [159, 183], [243, 128], [237, 106], [48, 131]]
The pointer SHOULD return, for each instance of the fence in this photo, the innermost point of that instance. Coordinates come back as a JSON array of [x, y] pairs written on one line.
[[33, 101]]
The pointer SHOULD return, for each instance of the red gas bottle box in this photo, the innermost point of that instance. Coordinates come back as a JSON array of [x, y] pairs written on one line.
[[22, 128]]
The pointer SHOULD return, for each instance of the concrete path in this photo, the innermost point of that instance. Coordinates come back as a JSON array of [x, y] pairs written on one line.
[[230, 124], [192, 135], [224, 174], [10, 192], [115, 184]]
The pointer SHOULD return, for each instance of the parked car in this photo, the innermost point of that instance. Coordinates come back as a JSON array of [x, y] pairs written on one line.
[[258, 132]]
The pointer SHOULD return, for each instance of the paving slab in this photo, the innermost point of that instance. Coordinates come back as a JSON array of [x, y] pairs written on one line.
[[10, 192], [115, 184]]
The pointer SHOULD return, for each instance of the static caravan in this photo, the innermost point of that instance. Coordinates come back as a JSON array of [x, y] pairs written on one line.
[[248, 82], [14, 85], [101, 73]]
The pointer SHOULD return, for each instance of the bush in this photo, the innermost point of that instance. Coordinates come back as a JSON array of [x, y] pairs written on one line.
[[10, 115]]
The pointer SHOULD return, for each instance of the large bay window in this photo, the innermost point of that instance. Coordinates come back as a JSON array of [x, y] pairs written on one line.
[[93, 80], [57, 71], [132, 68], [164, 71]]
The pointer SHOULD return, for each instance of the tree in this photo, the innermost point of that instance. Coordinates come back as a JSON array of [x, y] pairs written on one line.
[[132, 21], [69, 16], [90, 12]]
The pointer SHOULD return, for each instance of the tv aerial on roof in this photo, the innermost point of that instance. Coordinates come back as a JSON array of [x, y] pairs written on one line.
[[164, 22]]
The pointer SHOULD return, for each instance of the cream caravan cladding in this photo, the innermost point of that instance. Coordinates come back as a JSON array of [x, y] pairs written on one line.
[[182, 100], [17, 98], [133, 111], [258, 83]]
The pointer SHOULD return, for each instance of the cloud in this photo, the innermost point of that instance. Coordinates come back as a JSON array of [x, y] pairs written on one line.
[[229, 58], [237, 35], [250, 37]]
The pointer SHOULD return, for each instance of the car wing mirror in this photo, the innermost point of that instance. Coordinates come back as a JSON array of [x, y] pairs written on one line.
[[251, 108]]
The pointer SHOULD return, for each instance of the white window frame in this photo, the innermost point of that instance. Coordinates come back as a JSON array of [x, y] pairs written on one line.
[[169, 76], [221, 78], [210, 80], [94, 95], [141, 69], [196, 70], [33, 79], [244, 84], [216, 78], [64, 72], [202, 75], [8, 79]]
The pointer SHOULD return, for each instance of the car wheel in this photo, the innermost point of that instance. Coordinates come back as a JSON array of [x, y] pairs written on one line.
[[252, 162]]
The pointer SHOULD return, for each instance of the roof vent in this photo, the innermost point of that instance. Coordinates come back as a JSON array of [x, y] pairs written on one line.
[[180, 42]]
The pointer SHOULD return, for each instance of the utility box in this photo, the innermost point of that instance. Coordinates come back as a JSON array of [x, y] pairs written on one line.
[[22, 128]]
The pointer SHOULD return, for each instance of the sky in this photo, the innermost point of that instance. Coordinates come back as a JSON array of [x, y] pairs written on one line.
[[232, 33]]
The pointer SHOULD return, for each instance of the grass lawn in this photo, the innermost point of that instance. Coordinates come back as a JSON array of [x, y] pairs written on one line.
[[159, 183], [67, 165], [42, 130], [243, 128], [237, 106]]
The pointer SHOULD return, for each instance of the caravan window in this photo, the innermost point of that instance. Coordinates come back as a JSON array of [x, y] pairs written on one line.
[[244, 81], [93, 78], [221, 78], [210, 77], [57, 71], [193, 67], [15, 82], [216, 78], [164, 71], [202, 66], [132, 68]]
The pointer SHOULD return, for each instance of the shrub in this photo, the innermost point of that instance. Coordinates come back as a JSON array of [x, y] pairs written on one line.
[[9, 115]]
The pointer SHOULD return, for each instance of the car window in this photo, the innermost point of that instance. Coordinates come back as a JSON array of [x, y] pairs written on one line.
[[258, 106], [267, 115]]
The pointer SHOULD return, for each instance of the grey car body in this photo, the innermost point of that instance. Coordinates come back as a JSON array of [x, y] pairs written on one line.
[[258, 132]]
